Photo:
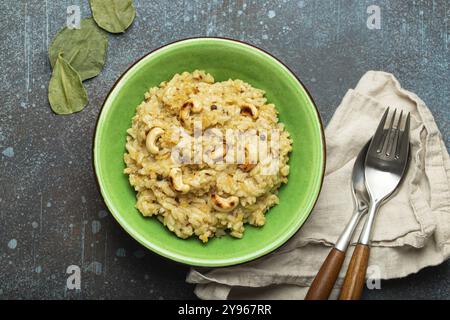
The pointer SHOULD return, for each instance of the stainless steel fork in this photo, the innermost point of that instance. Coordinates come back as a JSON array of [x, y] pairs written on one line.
[[385, 166]]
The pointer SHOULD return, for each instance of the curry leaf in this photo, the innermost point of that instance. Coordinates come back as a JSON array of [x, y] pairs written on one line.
[[114, 16], [84, 49], [66, 93]]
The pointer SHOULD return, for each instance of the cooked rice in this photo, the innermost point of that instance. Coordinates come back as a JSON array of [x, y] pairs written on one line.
[[191, 210]]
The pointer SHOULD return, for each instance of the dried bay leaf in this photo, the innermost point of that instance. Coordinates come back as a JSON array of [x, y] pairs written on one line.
[[66, 92], [84, 49], [114, 16]]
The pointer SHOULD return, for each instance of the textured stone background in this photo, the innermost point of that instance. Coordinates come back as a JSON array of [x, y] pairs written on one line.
[[51, 214]]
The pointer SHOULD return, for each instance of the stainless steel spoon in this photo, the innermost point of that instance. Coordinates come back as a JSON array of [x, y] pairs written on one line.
[[326, 277], [385, 167], [360, 200]]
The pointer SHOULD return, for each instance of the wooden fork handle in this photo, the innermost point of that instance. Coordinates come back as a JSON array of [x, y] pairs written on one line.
[[326, 277], [356, 274]]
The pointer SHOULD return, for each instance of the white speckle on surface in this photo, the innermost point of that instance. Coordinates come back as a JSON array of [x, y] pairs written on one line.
[[49, 204], [83, 199], [96, 226], [12, 244], [102, 214], [23, 105], [34, 224], [146, 277], [187, 19], [240, 12], [38, 269], [301, 4], [313, 79], [121, 252], [265, 36], [271, 14], [8, 152]]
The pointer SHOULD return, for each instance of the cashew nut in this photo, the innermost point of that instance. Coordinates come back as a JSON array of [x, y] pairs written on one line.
[[248, 165], [248, 109], [176, 179], [185, 112], [190, 105], [152, 137], [224, 204], [196, 106]]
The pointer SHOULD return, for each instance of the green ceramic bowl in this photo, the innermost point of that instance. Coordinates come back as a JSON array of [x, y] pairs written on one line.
[[224, 59]]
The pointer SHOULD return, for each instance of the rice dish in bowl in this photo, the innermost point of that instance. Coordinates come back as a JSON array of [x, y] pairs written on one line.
[[206, 157]]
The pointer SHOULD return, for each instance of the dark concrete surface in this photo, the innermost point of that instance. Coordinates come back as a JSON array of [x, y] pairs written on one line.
[[51, 213]]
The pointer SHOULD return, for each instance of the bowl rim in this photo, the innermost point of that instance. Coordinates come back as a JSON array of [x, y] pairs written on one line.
[[167, 254]]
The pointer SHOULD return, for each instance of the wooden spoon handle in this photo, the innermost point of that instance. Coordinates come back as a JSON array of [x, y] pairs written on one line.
[[356, 274], [326, 277]]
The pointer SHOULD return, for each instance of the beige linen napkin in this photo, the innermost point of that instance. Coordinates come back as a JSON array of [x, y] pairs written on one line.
[[412, 230]]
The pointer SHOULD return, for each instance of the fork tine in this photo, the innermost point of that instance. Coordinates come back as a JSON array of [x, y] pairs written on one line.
[[387, 144], [399, 122], [403, 142], [393, 145], [407, 124], [378, 137]]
